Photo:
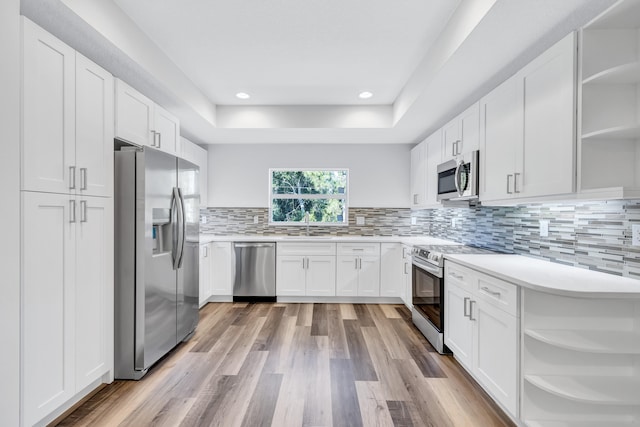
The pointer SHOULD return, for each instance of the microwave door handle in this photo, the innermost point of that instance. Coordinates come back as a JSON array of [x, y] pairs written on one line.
[[457, 178]]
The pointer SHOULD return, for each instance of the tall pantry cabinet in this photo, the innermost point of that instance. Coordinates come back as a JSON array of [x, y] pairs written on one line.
[[67, 225]]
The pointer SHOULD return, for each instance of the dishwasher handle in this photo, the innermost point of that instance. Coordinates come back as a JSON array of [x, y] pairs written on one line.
[[254, 245]]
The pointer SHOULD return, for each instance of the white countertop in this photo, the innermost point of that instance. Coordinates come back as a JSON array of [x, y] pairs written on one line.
[[407, 240], [550, 277]]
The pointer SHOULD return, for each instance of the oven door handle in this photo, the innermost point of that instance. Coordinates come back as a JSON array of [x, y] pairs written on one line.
[[436, 271]]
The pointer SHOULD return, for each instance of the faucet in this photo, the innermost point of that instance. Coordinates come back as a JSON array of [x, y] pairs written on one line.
[[306, 220]]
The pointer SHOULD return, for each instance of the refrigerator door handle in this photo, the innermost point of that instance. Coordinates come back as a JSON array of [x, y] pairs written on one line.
[[179, 245], [183, 226]]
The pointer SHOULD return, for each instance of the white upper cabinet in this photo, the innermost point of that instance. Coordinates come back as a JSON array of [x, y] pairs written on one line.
[[94, 128], [461, 135], [434, 158], [140, 121], [527, 132], [48, 112], [199, 156], [419, 175], [134, 115], [67, 143]]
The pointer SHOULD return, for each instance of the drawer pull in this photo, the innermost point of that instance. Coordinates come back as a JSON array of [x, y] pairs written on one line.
[[471, 303], [455, 276], [466, 300], [490, 292]]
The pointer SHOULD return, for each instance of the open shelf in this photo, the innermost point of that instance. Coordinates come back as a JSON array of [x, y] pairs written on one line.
[[609, 342], [597, 390], [620, 74]]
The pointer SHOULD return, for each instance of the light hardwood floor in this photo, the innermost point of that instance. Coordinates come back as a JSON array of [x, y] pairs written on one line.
[[297, 365]]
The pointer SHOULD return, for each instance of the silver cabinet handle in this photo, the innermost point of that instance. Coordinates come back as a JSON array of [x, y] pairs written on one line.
[[356, 261], [359, 263], [206, 251], [471, 304], [455, 276], [466, 300], [406, 264], [153, 143], [415, 199], [83, 178], [159, 139], [457, 145], [72, 177], [490, 292], [83, 211], [508, 182], [72, 211], [515, 182], [453, 149]]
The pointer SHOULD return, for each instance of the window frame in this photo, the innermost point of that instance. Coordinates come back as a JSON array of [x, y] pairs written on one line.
[[344, 223]]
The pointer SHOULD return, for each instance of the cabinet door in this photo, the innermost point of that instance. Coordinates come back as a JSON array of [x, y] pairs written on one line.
[[321, 276], [48, 116], [451, 139], [391, 270], [500, 120], [496, 352], [347, 276], [221, 268], [205, 288], [167, 128], [418, 175], [546, 163], [408, 271], [290, 275], [369, 276], [434, 158], [469, 129], [134, 115], [94, 128], [94, 290], [48, 269], [458, 331]]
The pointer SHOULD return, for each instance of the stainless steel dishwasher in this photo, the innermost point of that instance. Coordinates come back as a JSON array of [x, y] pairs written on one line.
[[255, 271]]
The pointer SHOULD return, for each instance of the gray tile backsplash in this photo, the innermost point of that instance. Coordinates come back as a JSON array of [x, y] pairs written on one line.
[[593, 235]]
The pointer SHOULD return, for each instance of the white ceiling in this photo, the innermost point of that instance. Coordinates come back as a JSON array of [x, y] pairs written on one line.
[[293, 52], [305, 61]]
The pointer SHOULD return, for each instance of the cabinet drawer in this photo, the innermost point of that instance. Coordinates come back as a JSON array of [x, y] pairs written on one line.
[[306, 248], [501, 294], [358, 248], [460, 276]]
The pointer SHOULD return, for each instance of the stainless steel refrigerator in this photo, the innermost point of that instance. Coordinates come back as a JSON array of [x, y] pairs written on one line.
[[156, 257]]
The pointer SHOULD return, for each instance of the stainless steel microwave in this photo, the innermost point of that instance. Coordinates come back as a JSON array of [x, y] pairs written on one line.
[[458, 178]]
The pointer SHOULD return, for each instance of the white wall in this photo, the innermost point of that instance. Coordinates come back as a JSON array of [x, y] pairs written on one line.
[[378, 174], [10, 212]]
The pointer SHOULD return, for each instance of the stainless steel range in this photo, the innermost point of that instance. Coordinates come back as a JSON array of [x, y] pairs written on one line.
[[428, 289]]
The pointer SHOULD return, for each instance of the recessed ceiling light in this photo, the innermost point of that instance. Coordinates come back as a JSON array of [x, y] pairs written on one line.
[[365, 95], [243, 95]]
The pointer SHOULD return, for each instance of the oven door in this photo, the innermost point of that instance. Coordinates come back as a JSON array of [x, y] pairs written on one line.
[[427, 292]]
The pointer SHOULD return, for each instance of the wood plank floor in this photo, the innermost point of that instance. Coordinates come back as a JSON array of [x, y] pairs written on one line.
[[297, 365]]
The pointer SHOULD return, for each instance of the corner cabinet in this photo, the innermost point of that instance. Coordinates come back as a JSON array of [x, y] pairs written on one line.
[[140, 121], [482, 330], [306, 269], [609, 143], [425, 158], [527, 129]]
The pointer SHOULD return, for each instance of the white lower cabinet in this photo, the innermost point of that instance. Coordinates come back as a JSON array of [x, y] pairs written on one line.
[[205, 277], [306, 269], [391, 269], [482, 330], [406, 293], [221, 268], [358, 270], [67, 315]]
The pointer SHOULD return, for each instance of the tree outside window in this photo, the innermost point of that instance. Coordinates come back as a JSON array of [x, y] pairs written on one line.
[[322, 193]]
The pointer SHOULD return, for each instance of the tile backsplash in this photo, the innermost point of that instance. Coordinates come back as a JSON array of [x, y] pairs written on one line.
[[593, 235]]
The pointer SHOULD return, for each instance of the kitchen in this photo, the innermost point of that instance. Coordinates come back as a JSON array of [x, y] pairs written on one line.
[[580, 211]]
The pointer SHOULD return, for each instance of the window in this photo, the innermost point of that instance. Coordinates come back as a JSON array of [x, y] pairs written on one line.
[[320, 193]]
